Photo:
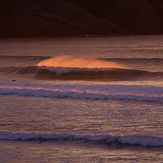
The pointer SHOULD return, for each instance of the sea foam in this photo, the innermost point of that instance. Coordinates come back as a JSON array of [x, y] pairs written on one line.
[[107, 138], [101, 92], [73, 62]]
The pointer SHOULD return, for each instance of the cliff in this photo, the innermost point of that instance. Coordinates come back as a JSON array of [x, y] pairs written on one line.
[[51, 18]]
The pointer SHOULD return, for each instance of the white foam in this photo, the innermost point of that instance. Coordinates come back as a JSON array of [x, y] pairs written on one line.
[[103, 92], [107, 138], [62, 70]]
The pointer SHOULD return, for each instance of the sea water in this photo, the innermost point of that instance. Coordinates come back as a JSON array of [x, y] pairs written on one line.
[[53, 113]]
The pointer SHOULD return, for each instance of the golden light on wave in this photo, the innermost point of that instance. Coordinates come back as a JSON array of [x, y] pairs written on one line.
[[72, 62]]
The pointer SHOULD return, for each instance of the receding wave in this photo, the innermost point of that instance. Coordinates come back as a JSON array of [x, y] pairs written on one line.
[[107, 138], [95, 92], [109, 74]]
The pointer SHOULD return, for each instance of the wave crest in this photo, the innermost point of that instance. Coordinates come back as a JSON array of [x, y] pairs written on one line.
[[72, 62]]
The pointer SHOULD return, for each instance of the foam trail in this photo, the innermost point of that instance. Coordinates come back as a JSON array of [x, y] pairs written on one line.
[[101, 92], [107, 138], [72, 62]]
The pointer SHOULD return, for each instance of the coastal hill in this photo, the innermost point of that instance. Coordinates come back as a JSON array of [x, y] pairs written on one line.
[[51, 18]]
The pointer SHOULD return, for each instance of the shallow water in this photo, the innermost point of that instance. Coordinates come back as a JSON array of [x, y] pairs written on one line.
[[46, 119]]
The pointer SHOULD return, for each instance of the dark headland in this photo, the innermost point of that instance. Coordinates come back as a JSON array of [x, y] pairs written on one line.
[[53, 18]]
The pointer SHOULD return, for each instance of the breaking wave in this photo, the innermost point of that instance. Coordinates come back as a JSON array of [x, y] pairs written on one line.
[[95, 92], [70, 68], [109, 74], [107, 138]]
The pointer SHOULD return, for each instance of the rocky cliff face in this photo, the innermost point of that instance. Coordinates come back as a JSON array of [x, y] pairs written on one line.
[[49, 18]]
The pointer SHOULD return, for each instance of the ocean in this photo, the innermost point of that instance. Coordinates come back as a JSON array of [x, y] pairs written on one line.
[[85, 99]]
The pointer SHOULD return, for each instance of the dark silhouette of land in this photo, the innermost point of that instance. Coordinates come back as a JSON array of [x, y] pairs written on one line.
[[51, 18]]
